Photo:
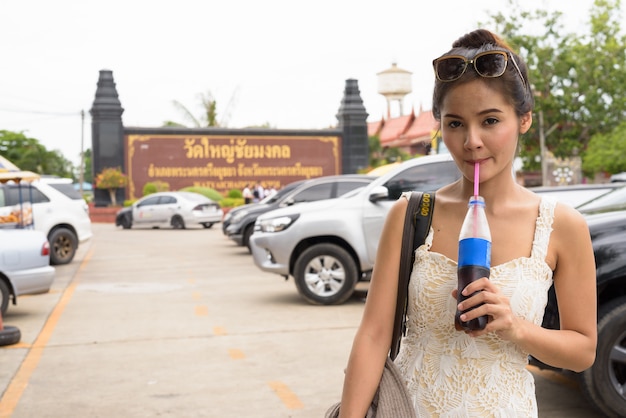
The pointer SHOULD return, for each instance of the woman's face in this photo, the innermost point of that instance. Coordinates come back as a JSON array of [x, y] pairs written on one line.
[[479, 125]]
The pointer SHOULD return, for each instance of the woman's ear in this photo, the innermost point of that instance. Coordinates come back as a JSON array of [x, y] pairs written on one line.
[[526, 120]]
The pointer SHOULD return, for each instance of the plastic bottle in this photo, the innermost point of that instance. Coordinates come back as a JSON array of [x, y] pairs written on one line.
[[474, 261]]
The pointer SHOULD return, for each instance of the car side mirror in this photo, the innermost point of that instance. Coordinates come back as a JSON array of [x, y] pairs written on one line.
[[378, 193]]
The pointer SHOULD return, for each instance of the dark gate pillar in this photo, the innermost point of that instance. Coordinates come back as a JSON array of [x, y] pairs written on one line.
[[352, 119], [107, 134]]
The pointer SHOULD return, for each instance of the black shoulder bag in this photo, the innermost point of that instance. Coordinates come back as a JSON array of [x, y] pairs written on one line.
[[416, 227]]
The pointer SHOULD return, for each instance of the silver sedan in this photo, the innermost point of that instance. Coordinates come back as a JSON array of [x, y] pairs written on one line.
[[170, 209], [24, 265]]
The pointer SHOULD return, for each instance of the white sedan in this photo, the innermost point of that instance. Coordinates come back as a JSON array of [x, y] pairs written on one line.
[[24, 264], [170, 209]]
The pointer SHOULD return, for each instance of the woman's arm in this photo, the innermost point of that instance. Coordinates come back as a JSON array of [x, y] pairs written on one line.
[[373, 338], [573, 347]]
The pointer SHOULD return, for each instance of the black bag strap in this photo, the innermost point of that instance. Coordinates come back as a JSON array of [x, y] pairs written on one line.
[[417, 223]]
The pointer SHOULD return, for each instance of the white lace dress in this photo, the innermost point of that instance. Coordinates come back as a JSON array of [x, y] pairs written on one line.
[[450, 374]]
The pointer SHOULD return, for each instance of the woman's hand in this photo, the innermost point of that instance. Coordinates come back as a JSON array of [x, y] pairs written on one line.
[[487, 299]]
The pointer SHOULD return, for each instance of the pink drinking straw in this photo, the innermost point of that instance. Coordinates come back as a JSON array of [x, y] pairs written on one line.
[[476, 177], [476, 182]]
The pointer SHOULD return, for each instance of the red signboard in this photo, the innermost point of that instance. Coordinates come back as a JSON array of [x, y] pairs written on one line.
[[226, 162]]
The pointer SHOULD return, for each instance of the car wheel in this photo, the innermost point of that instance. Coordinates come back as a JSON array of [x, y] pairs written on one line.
[[4, 297], [605, 382], [325, 274], [9, 335], [126, 222], [246, 236], [177, 222], [63, 244], [207, 225]]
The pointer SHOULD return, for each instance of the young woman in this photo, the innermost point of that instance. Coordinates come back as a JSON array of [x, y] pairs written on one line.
[[483, 100]]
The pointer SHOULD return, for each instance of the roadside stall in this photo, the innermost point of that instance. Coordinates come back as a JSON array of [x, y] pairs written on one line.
[[19, 215]]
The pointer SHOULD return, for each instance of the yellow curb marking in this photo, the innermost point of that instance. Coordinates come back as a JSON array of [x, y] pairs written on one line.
[[285, 394], [236, 354], [219, 331], [18, 384], [202, 310]]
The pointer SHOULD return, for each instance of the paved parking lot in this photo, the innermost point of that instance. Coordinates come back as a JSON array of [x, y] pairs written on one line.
[[178, 323]]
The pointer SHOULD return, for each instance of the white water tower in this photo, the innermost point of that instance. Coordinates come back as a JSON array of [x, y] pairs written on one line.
[[394, 83]]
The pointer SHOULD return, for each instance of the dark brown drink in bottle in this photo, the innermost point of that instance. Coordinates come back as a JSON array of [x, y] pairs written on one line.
[[474, 260]]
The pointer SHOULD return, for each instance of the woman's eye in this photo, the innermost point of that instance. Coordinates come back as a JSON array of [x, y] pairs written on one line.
[[491, 121], [454, 124]]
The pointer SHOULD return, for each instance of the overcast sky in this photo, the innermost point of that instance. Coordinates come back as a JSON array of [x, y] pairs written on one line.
[[275, 61]]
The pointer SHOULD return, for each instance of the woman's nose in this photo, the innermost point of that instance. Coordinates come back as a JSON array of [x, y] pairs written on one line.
[[473, 140]]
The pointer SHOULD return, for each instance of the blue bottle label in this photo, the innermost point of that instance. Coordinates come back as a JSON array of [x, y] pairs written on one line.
[[475, 252]]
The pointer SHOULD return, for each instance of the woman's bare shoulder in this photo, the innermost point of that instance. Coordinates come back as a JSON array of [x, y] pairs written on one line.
[[570, 232], [566, 217]]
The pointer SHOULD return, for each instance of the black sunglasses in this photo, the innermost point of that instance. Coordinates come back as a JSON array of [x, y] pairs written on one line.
[[488, 64]]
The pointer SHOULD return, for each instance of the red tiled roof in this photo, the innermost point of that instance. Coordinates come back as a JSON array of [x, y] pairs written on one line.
[[373, 128], [395, 128], [422, 128], [404, 130]]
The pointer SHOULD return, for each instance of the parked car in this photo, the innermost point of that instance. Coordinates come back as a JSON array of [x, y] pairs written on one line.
[[605, 381], [58, 211], [619, 177], [613, 200], [24, 265], [330, 245], [576, 194], [268, 200], [170, 209], [241, 224]]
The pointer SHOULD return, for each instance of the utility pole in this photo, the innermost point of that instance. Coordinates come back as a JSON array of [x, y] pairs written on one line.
[[544, 154]]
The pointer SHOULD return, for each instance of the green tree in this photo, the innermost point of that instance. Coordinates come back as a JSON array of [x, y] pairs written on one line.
[[88, 171], [597, 92], [579, 79], [111, 179], [381, 156], [605, 152], [28, 154]]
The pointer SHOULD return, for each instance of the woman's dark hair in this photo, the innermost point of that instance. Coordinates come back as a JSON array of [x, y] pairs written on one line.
[[516, 90]]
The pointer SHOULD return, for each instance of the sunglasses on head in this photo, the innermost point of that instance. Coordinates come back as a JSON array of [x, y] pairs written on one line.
[[487, 64]]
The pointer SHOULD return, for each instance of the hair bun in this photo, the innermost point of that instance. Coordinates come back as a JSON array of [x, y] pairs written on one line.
[[478, 38]]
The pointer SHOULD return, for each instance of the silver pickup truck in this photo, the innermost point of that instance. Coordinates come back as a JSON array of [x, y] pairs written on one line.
[[330, 245]]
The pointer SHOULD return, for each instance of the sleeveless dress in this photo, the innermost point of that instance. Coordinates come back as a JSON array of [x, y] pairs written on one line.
[[450, 374]]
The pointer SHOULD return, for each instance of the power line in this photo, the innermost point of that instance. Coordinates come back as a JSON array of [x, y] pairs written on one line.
[[37, 112]]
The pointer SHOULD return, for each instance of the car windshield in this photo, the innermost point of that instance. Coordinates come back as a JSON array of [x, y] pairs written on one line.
[[271, 199], [282, 192], [615, 199], [67, 189]]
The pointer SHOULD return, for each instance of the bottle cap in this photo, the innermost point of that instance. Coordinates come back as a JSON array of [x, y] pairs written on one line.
[[477, 200]]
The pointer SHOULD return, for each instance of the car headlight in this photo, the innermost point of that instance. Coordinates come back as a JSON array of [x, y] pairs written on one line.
[[276, 224]]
